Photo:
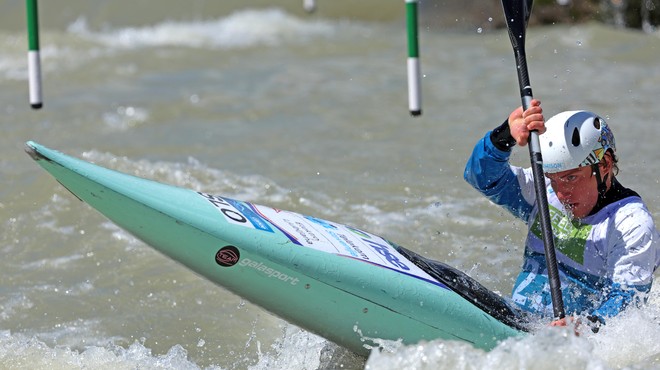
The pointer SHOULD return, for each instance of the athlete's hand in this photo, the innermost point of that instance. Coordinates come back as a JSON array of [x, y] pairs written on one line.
[[568, 321], [521, 123]]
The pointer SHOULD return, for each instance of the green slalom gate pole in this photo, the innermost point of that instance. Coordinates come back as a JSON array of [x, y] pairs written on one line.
[[414, 72], [34, 59]]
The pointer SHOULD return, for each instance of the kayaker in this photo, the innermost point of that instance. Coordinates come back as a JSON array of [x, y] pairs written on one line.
[[606, 242]]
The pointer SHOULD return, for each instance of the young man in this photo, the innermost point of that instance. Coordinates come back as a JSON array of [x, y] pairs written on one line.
[[606, 243]]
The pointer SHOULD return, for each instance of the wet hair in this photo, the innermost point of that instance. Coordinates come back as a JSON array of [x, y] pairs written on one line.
[[615, 161]]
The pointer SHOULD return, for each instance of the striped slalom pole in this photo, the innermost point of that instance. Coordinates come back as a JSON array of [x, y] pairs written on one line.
[[414, 72], [34, 59]]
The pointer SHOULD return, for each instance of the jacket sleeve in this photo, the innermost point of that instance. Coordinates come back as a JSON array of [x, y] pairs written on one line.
[[488, 171], [633, 258]]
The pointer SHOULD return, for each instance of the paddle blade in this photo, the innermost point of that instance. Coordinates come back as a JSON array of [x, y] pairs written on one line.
[[516, 13]]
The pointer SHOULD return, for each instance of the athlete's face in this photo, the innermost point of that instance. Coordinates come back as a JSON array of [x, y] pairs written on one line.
[[577, 190]]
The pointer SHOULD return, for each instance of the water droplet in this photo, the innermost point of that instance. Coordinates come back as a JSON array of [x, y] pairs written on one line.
[[480, 30]]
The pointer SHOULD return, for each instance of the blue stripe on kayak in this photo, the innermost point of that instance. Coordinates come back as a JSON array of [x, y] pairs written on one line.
[[250, 213], [434, 282]]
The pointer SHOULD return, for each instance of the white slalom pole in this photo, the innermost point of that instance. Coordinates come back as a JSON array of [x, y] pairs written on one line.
[[414, 70], [309, 5], [34, 59]]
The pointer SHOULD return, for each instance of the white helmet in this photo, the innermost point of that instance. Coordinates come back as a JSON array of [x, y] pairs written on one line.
[[574, 139]]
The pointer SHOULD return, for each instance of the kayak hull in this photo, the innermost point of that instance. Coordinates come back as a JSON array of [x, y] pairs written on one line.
[[343, 298]]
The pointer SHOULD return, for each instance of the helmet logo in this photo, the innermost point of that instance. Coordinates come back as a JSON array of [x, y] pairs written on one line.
[[597, 123], [575, 140]]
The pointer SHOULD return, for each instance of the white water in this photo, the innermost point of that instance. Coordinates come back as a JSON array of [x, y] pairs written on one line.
[[302, 113]]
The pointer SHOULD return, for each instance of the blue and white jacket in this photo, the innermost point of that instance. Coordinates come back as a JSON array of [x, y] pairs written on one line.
[[605, 260]]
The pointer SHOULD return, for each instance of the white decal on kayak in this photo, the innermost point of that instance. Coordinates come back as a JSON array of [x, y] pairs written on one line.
[[231, 214], [302, 230], [270, 272]]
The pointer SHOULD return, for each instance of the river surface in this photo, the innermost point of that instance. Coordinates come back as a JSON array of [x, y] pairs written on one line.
[[305, 112]]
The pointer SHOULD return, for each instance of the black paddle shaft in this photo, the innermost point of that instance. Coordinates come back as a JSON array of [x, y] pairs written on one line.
[[517, 14]]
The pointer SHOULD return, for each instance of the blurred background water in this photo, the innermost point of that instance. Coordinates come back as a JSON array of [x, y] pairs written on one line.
[[263, 102]]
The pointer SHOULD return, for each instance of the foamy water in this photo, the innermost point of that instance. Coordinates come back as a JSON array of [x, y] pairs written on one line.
[[304, 113]]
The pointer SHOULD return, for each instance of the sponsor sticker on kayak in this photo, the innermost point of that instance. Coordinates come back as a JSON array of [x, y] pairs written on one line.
[[340, 239], [238, 213], [312, 232]]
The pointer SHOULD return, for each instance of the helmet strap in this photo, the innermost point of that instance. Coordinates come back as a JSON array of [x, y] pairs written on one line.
[[600, 182]]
